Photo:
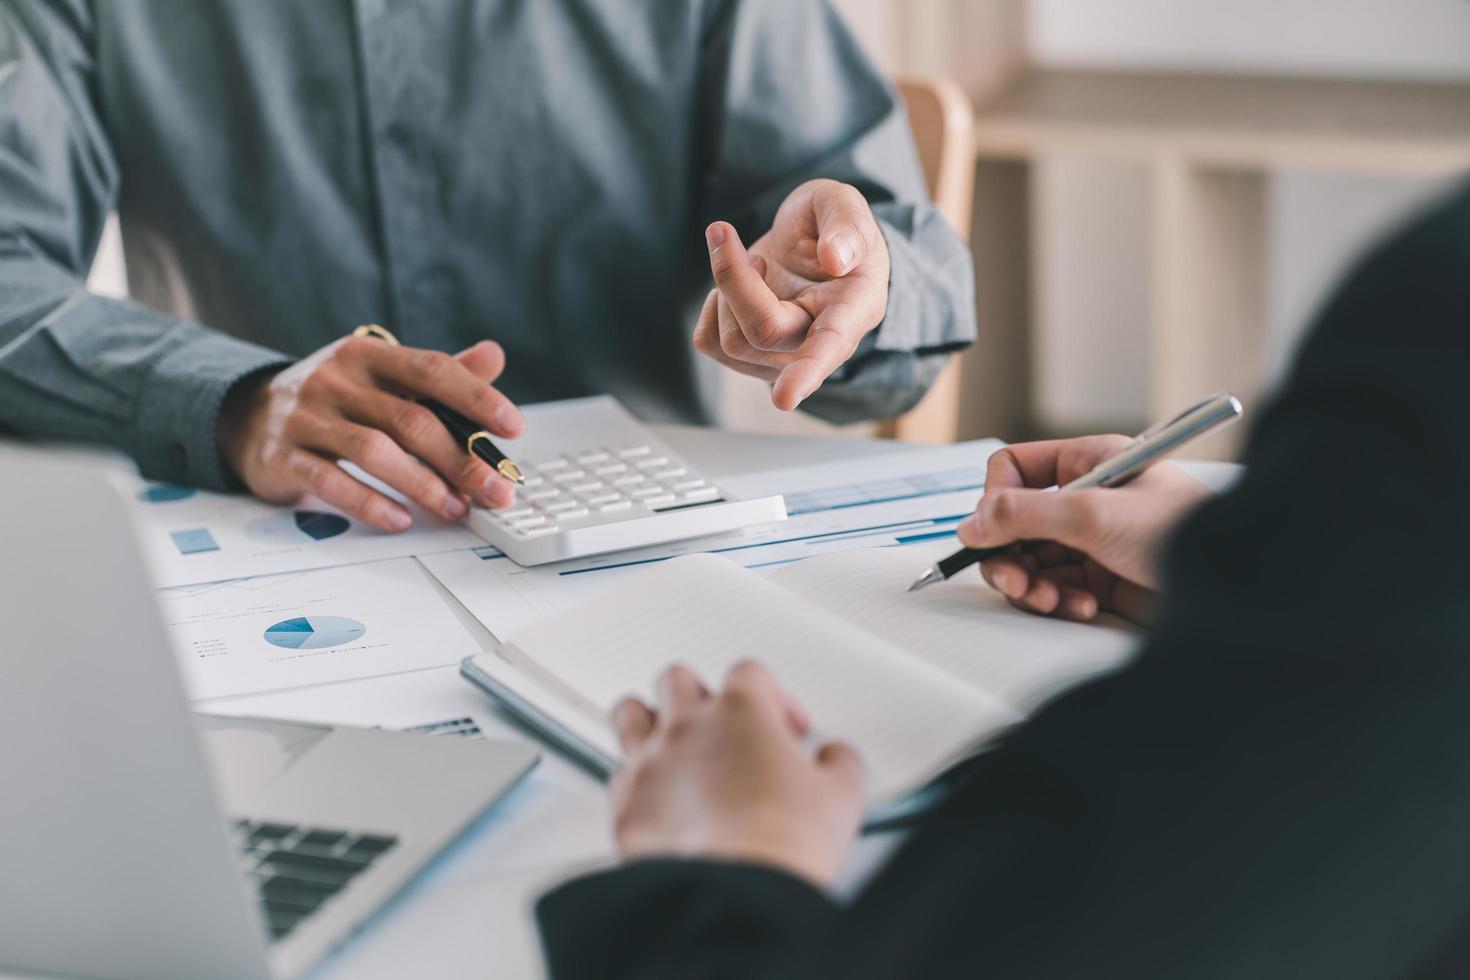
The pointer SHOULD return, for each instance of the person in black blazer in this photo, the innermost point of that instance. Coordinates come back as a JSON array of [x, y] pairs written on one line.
[[1279, 786]]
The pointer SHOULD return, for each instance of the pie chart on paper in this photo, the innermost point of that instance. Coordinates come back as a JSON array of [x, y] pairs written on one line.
[[295, 527], [314, 632]]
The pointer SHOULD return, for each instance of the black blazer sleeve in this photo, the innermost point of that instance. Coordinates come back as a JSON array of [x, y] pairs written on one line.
[[1280, 785]]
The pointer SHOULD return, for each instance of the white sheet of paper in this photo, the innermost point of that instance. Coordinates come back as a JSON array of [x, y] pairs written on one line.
[[709, 614], [873, 501], [312, 627], [962, 626], [190, 536]]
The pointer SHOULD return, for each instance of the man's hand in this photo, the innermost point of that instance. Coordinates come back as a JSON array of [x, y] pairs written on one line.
[[353, 400], [1083, 551], [726, 776], [793, 309]]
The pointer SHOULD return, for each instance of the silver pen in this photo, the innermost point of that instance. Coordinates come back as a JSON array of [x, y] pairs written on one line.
[[1147, 448]]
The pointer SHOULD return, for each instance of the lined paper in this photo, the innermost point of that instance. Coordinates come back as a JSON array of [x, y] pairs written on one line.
[[961, 626], [906, 718]]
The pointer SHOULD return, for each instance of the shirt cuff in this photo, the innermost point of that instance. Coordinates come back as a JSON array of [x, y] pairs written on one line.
[[178, 413], [931, 291]]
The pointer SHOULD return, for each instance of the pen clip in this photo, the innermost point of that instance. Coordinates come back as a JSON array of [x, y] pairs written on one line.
[[1158, 427]]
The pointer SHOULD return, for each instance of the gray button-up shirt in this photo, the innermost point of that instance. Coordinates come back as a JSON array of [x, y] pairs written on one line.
[[534, 171]]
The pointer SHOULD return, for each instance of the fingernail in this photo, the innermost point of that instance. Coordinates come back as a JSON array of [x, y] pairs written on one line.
[[498, 492], [1003, 581], [714, 236], [399, 520], [454, 508], [969, 528], [508, 418], [845, 253], [1081, 606]]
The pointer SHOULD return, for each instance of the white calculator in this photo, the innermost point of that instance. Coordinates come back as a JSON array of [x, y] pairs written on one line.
[[597, 480]]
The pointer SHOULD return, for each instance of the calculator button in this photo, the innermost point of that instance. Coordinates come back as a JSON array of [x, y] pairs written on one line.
[[570, 475], [554, 464], [633, 451], [539, 532], [670, 474], [689, 485], [616, 506], [647, 492], [644, 464], [660, 500], [627, 481], [591, 458], [586, 487], [562, 508], [603, 498], [532, 481], [529, 522], [546, 494], [572, 514], [704, 493], [610, 470], [516, 514]]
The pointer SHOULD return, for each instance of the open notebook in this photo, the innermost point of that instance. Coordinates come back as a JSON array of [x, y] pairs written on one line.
[[914, 681]]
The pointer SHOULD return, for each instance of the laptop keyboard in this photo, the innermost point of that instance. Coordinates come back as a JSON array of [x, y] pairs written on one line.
[[296, 869]]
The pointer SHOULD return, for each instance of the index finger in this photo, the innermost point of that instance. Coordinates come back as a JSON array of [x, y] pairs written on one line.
[[434, 374], [766, 323], [679, 692], [828, 345]]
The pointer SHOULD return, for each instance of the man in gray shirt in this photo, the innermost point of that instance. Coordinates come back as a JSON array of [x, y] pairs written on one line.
[[522, 181]]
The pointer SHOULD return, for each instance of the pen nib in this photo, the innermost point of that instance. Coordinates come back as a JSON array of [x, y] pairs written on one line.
[[510, 471], [930, 576]]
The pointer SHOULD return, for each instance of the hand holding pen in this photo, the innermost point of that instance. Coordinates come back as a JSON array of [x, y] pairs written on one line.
[[283, 431], [1095, 545]]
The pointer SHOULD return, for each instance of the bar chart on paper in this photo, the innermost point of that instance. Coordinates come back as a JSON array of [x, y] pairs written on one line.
[[876, 502]]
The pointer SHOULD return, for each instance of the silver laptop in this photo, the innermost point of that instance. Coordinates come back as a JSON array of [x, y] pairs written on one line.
[[120, 855]]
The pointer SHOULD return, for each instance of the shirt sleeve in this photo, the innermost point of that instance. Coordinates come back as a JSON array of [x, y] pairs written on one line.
[[75, 366], [789, 96], [707, 919]]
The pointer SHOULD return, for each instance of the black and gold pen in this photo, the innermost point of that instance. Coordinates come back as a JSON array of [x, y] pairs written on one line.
[[475, 439]]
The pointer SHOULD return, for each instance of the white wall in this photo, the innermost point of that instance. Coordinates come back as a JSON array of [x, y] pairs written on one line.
[[1093, 218], [1397, 38]]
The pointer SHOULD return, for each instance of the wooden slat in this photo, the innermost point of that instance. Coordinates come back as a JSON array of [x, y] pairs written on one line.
[[1234, 121]]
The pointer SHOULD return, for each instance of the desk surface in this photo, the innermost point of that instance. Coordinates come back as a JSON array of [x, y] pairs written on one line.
[[470, 913]]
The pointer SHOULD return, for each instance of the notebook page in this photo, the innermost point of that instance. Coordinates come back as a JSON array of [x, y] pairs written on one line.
[[961, 626], [707, 613]]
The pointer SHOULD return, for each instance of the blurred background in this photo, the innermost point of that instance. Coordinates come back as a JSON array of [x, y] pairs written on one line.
[[1162, 190]]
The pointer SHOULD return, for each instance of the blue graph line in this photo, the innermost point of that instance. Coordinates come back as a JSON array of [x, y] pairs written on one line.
[[885, 500], [828, 536], [931, 536]]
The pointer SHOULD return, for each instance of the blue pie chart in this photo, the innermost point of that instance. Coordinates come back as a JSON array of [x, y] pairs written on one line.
[[314, 632]]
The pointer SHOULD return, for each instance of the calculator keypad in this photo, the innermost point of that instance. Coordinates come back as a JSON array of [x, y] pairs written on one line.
[[598, 485]]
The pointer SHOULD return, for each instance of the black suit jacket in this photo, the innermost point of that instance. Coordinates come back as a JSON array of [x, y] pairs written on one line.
[[1280, 787]]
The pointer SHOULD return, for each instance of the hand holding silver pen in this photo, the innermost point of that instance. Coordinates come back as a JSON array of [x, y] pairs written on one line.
[[1118, 468]]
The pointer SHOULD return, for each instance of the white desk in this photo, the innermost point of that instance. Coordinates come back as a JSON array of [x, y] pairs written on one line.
[[470, 914]]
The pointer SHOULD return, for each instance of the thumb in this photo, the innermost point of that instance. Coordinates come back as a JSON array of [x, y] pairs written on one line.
[[842, 762], [1007, 515], [844, 221]]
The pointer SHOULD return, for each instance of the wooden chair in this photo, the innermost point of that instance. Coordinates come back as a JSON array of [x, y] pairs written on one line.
[[943, 122]]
